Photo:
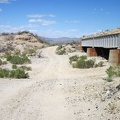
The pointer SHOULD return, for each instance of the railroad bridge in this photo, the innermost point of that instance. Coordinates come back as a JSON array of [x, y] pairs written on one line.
[[105, 44]]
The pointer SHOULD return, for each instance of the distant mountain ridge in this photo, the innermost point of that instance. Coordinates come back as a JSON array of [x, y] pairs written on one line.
[[61, 40]]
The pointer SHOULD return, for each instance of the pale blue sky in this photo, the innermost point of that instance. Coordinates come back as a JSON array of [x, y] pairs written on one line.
[[59, 18]]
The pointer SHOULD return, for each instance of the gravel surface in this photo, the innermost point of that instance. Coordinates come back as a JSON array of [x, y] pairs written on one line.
[[56, 91]]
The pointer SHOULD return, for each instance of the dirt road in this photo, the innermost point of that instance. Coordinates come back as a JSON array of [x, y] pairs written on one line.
[[54, 91]]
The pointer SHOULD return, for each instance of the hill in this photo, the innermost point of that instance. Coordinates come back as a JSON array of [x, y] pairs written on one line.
[[21, 40], [61, 40]]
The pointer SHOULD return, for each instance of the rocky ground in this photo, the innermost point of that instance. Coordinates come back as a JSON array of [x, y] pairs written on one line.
[[56, 91]]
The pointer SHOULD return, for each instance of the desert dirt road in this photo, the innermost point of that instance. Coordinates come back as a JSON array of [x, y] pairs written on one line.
[[54, 91]]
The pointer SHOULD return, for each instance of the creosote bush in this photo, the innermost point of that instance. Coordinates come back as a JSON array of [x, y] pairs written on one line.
[[25, 68], [83, 62], [73, 58], [15, 59], [60, 50], [14, 66], [17, 73], [112, 71]]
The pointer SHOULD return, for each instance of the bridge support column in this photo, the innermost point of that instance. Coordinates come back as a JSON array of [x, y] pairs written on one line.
[[91, 52], [114, 56]]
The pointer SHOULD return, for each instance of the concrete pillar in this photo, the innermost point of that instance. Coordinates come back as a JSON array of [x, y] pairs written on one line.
[[114, 56], [91, 52]]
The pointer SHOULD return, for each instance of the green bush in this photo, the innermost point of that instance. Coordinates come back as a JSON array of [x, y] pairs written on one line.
[[117, 71], [108, 79], [14, 66], [89, 63], [59, 47], [61, 52], [80, 63], [25, 68], [83, 57], [100, 64], [5, 73], [4, 62], [110, 71], [73, 58], [15, 59], [18, 74]]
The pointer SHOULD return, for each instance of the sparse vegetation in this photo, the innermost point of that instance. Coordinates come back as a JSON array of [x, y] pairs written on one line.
[[73, 58], [30, 52], [83, 62], [112, 71], [111, 107], [14, 66], [15, 59], [18, 73], [60, 50], [25, 68]]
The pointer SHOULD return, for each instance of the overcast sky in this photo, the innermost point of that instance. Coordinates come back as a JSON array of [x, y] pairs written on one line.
[[59, 18]]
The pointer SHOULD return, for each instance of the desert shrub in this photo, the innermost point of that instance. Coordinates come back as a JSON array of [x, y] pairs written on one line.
[[110, 71], [15, 59], [4, 62], [80, 63], [4, 73], [100, 64], [14, 66], [73, 58], [18, 73], [89, 63], [59, 47], [61, 52], [1, 62], [84, 63], [25, 68], [117, 71], [83, 57], [108, 79]]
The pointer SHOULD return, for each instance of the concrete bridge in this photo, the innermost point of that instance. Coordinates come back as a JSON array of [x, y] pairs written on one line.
[[105, 44]]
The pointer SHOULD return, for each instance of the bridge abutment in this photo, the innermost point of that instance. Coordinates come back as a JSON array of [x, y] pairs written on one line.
[[114, 56], [91, 52]]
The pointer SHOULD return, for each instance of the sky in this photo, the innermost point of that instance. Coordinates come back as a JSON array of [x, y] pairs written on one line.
[[59, 18]]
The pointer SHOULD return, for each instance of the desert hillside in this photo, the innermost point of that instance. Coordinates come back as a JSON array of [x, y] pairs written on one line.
[[22, 40]]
